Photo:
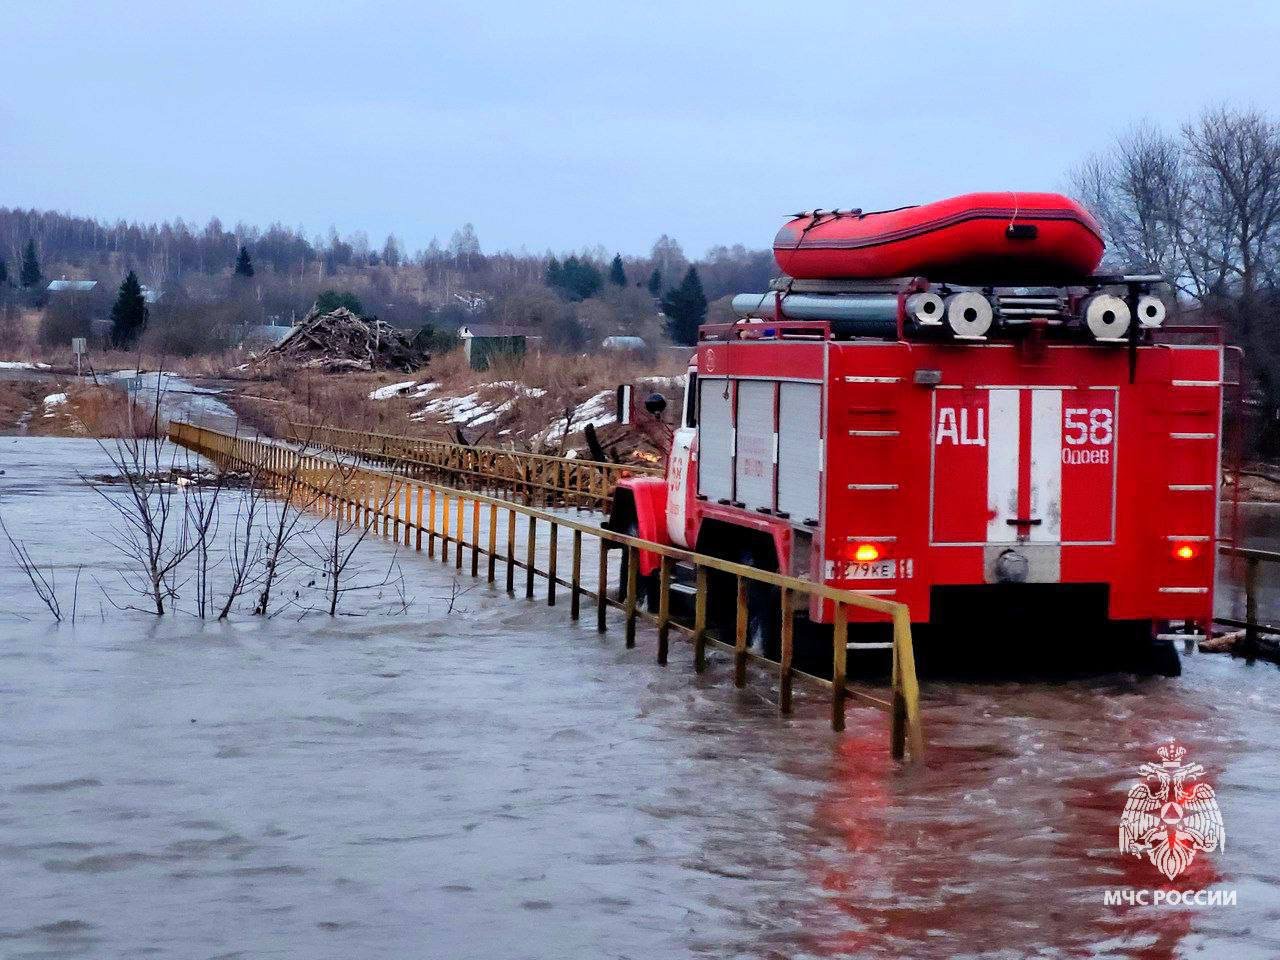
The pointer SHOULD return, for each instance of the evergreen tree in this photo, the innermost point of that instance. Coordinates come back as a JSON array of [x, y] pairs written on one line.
[[129, 314], [576, 279], [30, 273], [553, 276], [581, 279], [655, 282], [617, 275], [244, 266], [4, 273], [685, 308], [331, 300]]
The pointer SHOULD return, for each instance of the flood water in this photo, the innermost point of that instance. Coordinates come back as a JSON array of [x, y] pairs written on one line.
[[476, 777]]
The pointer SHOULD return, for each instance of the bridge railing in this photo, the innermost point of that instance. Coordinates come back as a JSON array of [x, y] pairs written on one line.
[[532, 477], [474, 528], [1254, 628]]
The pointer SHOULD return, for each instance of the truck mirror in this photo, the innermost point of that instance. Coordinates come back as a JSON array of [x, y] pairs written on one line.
[[656, 404]]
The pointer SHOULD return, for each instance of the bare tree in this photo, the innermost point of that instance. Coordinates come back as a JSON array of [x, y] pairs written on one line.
[[333, 552], [286, 520], [45, 585], [245, 542], [1203, 208], [1236, 156], [153, 535], [202, 518]]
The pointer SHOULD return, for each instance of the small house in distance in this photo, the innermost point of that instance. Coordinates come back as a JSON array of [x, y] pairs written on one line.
[[72, 286], [625, 344], [486, 342]]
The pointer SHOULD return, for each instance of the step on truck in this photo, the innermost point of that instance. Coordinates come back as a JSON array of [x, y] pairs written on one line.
[[1034, 468]]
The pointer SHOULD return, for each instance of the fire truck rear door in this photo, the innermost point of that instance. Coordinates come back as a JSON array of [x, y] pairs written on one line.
[[1023, 464]]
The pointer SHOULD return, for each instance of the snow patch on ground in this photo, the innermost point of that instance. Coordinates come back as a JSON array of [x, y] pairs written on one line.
[[391, 390], [462, 409], [670, 382], [22, 365], [599, 411], [53, 399], [473, 409]]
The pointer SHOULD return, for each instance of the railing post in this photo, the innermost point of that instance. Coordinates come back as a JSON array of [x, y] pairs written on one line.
[[431, 524], [839, 657], [664, 608], [602, 591], [633, 582], [394, 496], [530, 556], [419, 537], [493, 540], [907, 694], [1252, 565], [511, 551], [740, 636], [575, 592], [408, 512], [788, 650], [387, 498], [553, 548], [700, 621], [444, 527], [475, 538], [461, 528]]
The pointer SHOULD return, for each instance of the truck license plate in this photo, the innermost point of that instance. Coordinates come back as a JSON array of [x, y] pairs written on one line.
[[876, 570]]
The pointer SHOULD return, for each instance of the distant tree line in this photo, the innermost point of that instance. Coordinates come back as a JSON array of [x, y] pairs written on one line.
[[213, 282]]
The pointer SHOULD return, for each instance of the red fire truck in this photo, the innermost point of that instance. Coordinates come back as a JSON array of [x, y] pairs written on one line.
[[1038, 462]]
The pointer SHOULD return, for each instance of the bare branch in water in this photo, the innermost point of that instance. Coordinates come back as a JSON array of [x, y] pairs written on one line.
[[44, 585]]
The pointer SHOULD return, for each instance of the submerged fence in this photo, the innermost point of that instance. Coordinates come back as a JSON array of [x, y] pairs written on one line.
[[480, 531], [535, 478]]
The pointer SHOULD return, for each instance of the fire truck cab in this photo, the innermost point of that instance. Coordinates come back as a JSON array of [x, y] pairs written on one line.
[[1038, 478]]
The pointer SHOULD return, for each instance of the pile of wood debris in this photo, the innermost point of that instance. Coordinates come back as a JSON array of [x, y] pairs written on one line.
[[342, 340]]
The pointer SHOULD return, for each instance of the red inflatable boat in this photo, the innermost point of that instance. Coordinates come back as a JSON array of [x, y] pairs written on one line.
[[988, 238]]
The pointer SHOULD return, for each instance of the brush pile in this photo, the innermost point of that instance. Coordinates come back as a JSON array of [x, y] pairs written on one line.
[[342, 340]]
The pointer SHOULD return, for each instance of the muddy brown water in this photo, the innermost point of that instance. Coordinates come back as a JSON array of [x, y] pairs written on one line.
[[490, 781]]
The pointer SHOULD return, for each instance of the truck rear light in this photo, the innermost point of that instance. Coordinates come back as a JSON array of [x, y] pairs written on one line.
[[866, 552], [1185, 551]]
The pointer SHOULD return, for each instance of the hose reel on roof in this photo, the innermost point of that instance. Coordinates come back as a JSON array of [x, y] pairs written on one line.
[[1107, 316], [969, 314]]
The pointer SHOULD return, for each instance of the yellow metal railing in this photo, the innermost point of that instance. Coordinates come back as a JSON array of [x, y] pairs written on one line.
[[411, 509], [532, 477]]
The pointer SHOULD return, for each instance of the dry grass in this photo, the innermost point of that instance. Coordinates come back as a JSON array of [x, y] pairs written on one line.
[[19, 399], [342, 400], [89, 411], [61, 358], [105, 412]]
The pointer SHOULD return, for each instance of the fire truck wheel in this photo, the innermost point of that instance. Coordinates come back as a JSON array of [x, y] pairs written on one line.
[[1145, 653], [646, 584], [764, 606], [1163, 659]]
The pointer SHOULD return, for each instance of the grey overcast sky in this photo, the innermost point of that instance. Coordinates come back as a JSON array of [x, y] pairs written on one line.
[[563, 125]]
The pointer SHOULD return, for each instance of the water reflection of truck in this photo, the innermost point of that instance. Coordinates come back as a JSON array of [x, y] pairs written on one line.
[[1031, 465]]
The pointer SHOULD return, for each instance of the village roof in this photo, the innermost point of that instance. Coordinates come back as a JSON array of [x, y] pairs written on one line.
[[494, 330]]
